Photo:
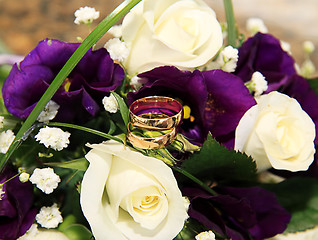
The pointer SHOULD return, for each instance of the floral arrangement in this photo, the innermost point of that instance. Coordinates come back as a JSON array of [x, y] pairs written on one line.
[[180, 127]]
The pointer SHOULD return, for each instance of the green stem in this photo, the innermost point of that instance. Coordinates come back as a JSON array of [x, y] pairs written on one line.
[[85, 129], [231, 25], [88, 42], [196, 180]]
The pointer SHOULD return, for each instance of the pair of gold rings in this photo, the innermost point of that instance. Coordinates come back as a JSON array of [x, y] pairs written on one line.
[[158, 115]]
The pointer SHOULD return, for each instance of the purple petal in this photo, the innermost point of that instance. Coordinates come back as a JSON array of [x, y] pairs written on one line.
[[79, 97], [228, 100]]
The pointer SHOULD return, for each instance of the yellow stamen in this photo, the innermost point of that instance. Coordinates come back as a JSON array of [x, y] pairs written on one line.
[[186, 112]]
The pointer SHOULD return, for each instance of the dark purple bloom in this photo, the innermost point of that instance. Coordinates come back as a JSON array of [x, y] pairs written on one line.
[[16, 212], [81, 93], [239, 212], [217, 100], [263, 53]]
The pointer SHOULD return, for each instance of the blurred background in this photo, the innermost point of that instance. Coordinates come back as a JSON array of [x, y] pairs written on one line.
[[24, 23]]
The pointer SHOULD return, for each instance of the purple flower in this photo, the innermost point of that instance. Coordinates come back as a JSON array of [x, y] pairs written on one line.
[[239, 212], [263, 53], [16, 212], [217, 100], [81, 93]]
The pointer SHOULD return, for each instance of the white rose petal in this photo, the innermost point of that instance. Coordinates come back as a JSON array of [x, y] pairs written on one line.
[[1, 121], [55, 138], [182, 33], [277, 133], [85, 15], [6, 138], [208, 235], [49, 217], [309, 234], [45, 179], [31, 233], [130, 196], [110, 103]]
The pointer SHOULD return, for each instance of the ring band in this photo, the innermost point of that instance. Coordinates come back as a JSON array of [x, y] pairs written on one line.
[[156, 113], [151, 142]]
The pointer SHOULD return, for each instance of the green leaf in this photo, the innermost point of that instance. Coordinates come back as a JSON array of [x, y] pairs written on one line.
[[216, 162], [300, 198], [124, 111], [77, 232], [314, 84], [231, 25], [76, 164]]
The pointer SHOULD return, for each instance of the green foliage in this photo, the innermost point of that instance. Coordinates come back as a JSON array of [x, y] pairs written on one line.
[[77, 232], [216, 162], [124, 111], [80, 164], [314, 84], [300, 197]]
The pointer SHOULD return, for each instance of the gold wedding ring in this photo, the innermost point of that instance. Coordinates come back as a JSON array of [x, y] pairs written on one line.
[[151, 142], [156, 113]]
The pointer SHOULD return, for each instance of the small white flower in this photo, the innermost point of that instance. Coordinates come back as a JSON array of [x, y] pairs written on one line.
[[45, 179], [6, 138], [227, 60], [136, 82], [85, 15], [31, 233], [24, 177], [49, 217], [257, 84], [307, 68], [116, 31], [55, 138], [208, 235], [1, 121], [255, 25], [110, 103], [309, 47], [286, 47], [49, 112], [117, 49], [1, 192]]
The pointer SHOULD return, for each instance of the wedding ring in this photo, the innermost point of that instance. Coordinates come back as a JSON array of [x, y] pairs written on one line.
[[156, 113], [151, 142]]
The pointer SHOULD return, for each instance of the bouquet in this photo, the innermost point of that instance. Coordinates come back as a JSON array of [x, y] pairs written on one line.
[[180, 127]]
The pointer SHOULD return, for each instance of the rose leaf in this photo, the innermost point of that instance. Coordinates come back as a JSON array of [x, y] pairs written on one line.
[[216, 162], [300, 198]]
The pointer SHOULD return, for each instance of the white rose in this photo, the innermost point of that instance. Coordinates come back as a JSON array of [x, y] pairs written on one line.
[[277, 133], [183, 33], [126, 195]]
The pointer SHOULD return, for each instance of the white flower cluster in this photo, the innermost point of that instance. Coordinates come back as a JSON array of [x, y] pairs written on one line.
[[85, 15], [208, 235], [45, 179], [1, 121], [55, 138], [49, 112], [49, 217], [110, 103], [255, 25], [227, 60], [257, 84], [6, 138], [117, 49]]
